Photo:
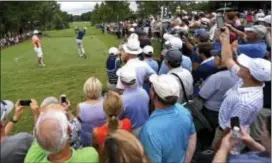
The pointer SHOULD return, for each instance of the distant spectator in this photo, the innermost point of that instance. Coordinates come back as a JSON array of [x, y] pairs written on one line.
[[207, 66], [144, 41], [113, 64], [135, 100], [169, 134], [91, 111], [122, 146], [52, 140], [113, 106], [13, 147]]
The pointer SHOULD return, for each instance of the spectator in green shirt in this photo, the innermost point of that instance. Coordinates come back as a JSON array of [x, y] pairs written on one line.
[[52, 140]]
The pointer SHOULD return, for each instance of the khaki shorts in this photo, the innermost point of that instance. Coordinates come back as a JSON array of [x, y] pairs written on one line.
[[38, 52]]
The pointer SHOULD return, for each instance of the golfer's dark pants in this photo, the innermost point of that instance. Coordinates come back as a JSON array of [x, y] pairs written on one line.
[[118, 35]]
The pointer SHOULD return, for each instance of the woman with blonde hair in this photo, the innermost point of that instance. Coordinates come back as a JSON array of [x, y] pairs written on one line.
[[112, 105], [91, 112], [122, 146]]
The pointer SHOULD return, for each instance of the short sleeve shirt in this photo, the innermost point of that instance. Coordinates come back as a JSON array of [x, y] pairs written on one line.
[[253, 50]]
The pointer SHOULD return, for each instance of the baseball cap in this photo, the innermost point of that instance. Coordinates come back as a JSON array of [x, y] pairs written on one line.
[[258, 29], [132, 46], [259, 68], [165, 85], [202, 35], [267, 19], [131, 30], [113, 50], [175, 43], [127, 74], [35, 32], [6, 108], [148, 50], [173, 55]]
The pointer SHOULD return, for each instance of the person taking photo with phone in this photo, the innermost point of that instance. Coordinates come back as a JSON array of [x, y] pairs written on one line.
[[245, 98], [10, 150]]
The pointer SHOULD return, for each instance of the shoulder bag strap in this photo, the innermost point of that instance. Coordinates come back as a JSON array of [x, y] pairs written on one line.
[[183, 88]]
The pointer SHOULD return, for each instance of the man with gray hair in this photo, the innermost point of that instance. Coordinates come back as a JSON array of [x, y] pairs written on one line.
[[254, 36], [52, 140]]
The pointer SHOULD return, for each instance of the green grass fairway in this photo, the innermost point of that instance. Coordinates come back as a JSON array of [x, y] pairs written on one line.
[[65, 71]]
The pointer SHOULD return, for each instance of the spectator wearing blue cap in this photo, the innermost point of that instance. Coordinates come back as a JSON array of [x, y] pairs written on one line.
[[173, 59], [175, 43]]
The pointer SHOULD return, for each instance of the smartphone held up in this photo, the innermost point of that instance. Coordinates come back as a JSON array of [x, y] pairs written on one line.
[[25, 102]]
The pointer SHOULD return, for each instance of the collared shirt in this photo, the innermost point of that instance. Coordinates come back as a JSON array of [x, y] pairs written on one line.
[[80, 34], [205, 69], [165, 136], [242, 102], [143, 71], [187, 79], [214, 89], [135, 106], [153, 64], [253, 50], [250, 157], [186, 63]]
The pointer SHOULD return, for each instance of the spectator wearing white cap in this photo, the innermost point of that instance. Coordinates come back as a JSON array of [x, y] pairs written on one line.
[[13, 147], [113, 64], [52, 140], [173, 42], [169, 134], [135, 100], [129, 55], [245, 99], [172, 60], [255, 46]]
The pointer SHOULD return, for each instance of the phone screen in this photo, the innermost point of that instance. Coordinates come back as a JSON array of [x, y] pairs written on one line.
[[220, 21], [25, 102], [235, 121], [63, 99]]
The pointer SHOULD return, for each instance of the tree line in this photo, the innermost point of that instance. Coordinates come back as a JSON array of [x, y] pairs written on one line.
[[18, 16]]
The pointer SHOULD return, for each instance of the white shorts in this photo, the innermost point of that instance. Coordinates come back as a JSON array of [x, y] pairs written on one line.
[[38, 52], [79, 43]]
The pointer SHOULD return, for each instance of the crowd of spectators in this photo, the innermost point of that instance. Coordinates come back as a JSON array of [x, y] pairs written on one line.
[[146, 115], [11, 39]]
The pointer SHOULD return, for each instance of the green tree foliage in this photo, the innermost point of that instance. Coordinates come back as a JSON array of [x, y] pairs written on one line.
[[17, 15], [110, 11]]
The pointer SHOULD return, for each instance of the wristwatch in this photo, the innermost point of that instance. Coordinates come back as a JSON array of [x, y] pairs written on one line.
[[13, 121]]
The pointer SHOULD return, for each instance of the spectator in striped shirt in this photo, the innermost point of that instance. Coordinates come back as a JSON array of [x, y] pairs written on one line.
[[245, 99], [113, 63]]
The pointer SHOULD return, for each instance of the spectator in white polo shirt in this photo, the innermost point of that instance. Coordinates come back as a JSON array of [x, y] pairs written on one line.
[[129, 55], [135, 99], [245, 99], [173, 59]]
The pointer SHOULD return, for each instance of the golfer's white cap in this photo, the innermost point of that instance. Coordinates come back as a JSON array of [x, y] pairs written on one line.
[[35, 32], [259, 68], [113, 50], [165, 85]]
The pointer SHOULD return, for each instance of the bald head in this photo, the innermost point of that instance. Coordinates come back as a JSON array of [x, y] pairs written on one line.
[[51, 130]]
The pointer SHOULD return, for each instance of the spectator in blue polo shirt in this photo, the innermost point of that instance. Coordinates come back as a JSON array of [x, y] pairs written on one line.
[[207, 66], [255, 46], [135, 100], [169, 134], [148, 53]]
